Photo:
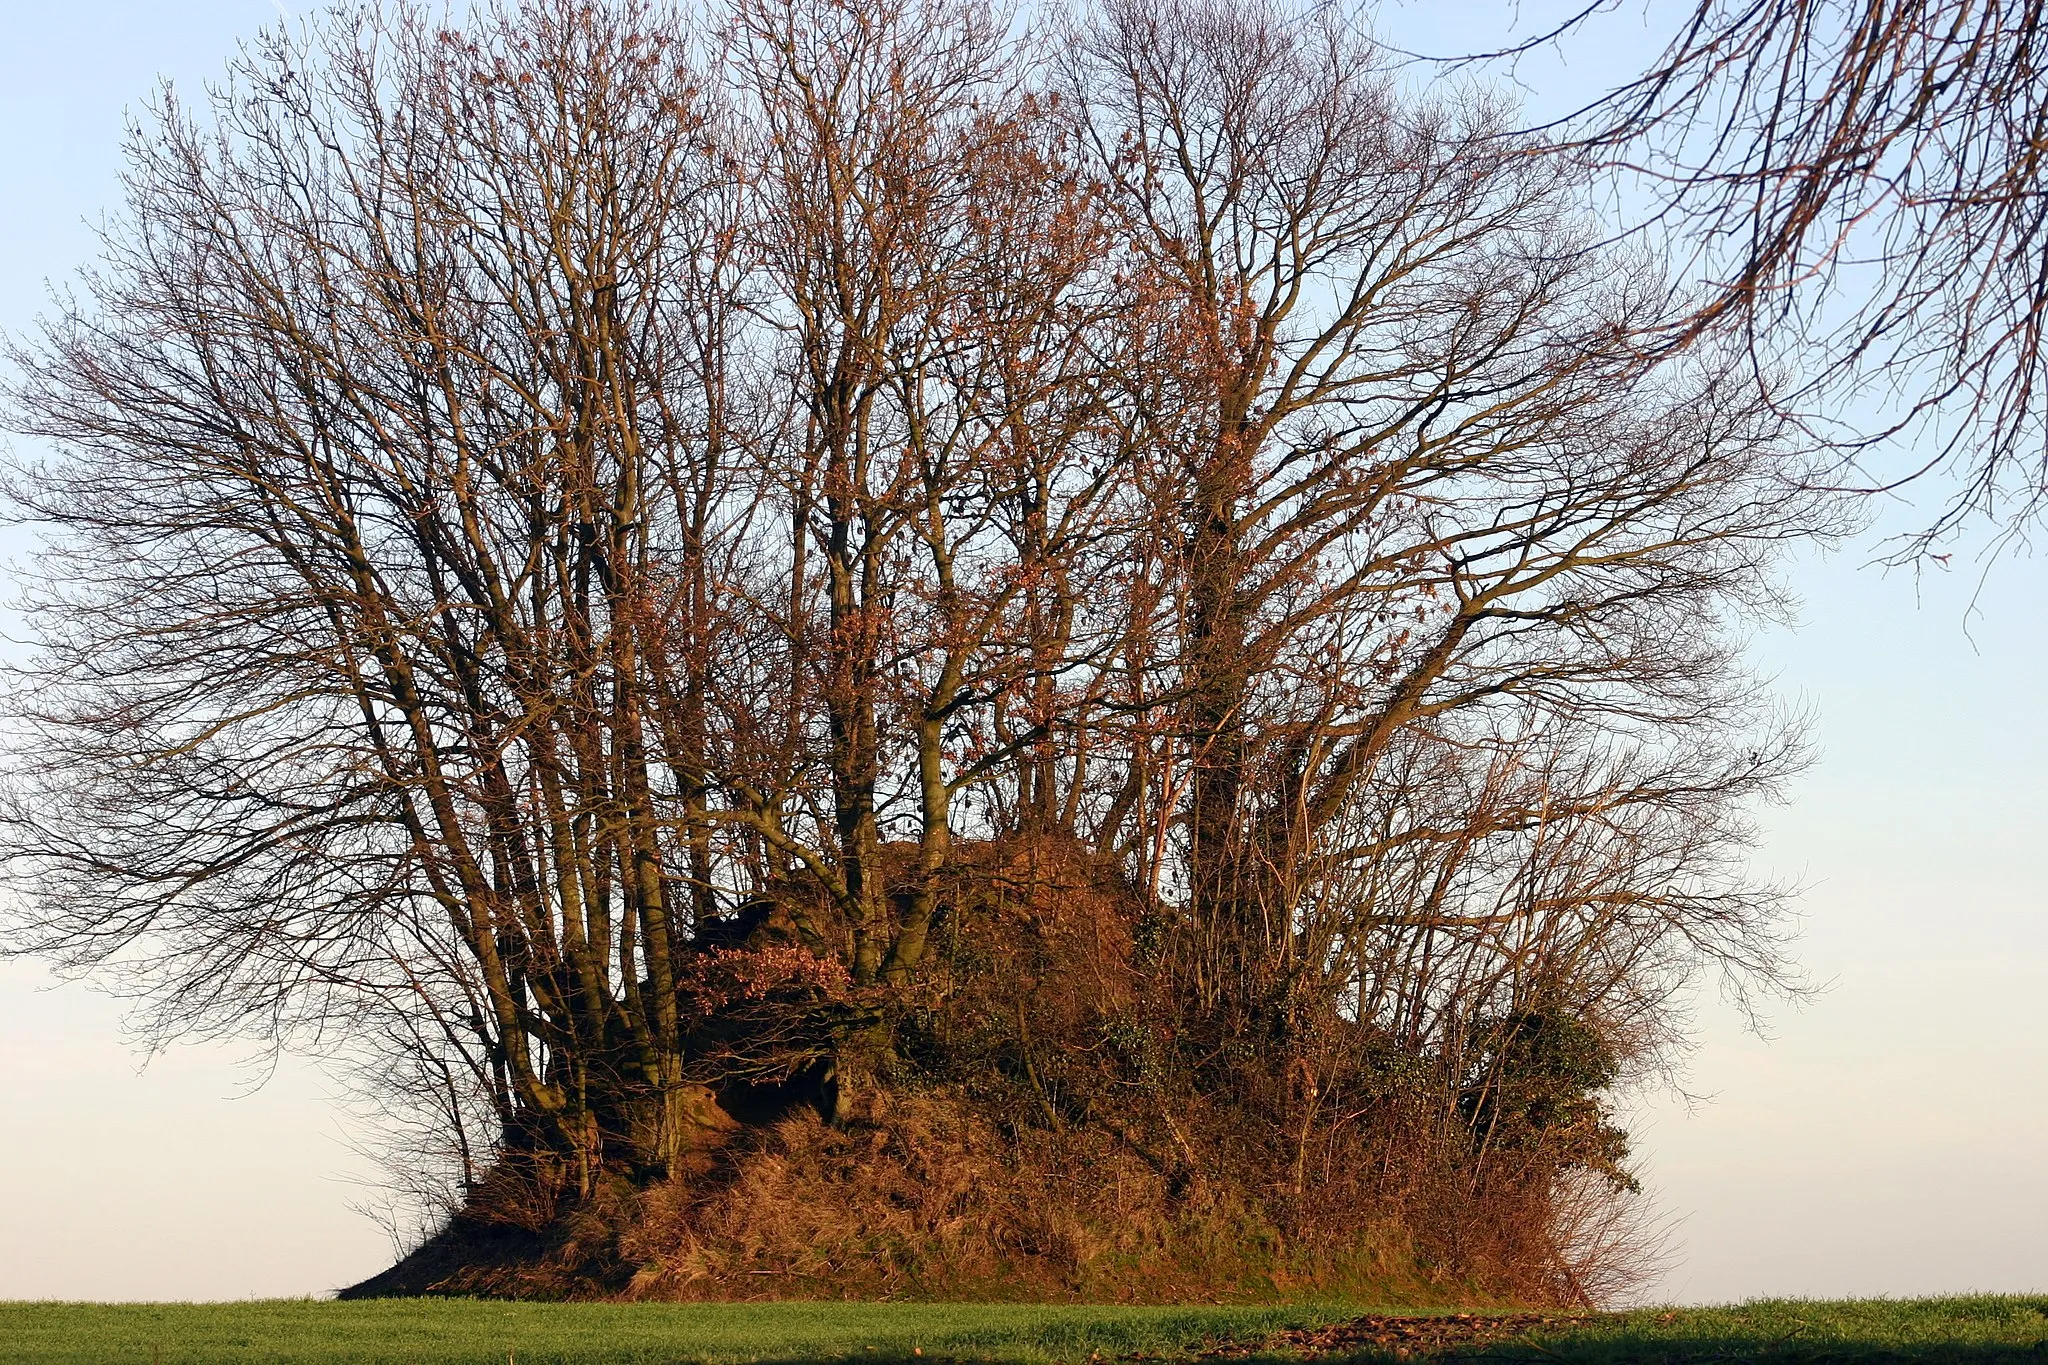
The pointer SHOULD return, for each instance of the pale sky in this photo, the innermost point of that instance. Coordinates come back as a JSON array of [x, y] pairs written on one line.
[[1889, 1138]]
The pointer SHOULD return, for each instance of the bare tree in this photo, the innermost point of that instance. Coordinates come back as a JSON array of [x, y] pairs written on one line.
[[396, 422], [1414, 466]]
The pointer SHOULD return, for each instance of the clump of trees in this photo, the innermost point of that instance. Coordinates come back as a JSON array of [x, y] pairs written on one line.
[[672, 573]]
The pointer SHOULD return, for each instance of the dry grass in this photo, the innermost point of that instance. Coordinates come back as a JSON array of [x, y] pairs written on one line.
[[923, 1199]]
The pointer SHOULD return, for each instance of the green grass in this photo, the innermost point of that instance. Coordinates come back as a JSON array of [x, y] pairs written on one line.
[[470, 1332], [1973, 1331]]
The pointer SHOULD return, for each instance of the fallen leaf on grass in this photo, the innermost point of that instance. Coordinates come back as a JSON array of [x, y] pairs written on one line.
[[1400, 1335]]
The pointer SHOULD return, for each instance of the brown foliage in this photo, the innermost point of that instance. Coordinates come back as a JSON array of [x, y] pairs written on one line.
[[1019, 1150]]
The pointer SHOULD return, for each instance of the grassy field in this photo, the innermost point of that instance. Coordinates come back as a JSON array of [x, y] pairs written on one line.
[[1974, 1331]]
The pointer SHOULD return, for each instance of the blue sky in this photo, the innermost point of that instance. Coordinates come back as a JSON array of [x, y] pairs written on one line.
[[1888, 1137]]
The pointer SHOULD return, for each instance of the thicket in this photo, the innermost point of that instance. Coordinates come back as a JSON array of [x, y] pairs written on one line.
[[868, 652]]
